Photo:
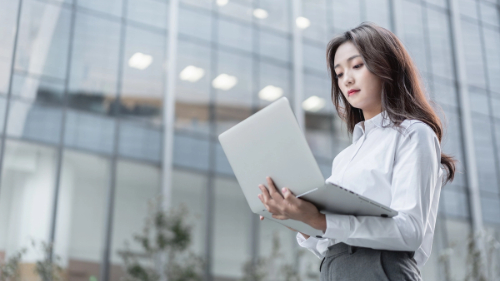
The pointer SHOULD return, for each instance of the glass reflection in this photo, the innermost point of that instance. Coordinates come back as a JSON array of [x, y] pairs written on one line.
[[43, 39], [8, 18], [94, 64], [81, 214], [143, 75], [34, 122], [28, 180], [151, 12], [137, 186]]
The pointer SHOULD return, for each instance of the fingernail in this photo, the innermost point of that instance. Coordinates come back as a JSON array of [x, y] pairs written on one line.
[[258, 195], [283, 189]]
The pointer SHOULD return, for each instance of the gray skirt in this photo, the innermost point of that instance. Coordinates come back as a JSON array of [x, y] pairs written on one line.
[[343, 262]]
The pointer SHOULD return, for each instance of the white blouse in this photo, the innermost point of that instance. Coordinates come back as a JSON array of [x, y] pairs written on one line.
[[400, 169]]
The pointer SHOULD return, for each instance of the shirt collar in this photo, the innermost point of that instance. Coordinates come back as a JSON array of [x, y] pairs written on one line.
[[380, 120]]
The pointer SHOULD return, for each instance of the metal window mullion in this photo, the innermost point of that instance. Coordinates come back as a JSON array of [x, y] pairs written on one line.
[[169, 105], [298, 85], [210, 191], [9, 91], [60, 147], [255, 86], [466, 121], [110, 199], [428, 75], [488, 92]]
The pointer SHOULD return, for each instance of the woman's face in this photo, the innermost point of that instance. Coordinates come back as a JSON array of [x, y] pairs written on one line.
[[353, 74]]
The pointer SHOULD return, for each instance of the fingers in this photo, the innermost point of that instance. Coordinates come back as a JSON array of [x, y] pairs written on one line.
[[264, 197], [261, 218], [272, 189], [280, 217], [288, 194]]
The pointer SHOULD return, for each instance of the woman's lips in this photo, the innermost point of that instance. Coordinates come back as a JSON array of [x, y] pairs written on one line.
[[353, 92]]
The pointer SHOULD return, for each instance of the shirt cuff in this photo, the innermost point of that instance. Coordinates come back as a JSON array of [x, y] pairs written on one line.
[[337, 227], [306, 243]]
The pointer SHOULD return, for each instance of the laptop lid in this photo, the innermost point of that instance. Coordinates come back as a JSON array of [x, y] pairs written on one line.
[[271, 143]]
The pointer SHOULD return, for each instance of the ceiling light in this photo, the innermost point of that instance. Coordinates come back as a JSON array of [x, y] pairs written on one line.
[[302, 22], [222, 2], [140, 61], [260, 13], [191, 73], [313, 104], [224, 82], [270, 93]]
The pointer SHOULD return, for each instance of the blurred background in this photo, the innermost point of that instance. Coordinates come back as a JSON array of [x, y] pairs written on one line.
[[84, 95]]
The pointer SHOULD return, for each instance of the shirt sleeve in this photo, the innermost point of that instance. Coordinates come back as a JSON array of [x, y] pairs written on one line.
[[310, 244], [415, 175]]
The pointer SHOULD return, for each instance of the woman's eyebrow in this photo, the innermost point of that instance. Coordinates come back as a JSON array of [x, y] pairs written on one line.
[[347, 60]]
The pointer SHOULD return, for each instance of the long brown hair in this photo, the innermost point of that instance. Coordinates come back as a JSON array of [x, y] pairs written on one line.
[[403, 94]]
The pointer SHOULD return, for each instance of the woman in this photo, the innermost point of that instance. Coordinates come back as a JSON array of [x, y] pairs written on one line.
[[395, 158]]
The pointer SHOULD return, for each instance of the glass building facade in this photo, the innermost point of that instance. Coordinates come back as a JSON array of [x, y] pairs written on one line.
[[84, 89]]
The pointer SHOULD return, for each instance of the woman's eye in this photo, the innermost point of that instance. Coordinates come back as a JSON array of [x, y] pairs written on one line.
[[356, 66]]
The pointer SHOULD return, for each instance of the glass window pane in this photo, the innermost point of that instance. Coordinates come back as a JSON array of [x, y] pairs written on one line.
[[150, 12], [113, 7], [489, 13], [492, 41], [240, 11], [193, 87], [486, 167], [234, 94], [440, 44], [89, 131], [234, 34], [137, 186], [94, 64], [3, 108], [440, 3], [458, 234], [455, 202], [275, 46], [479, 102], [491, 209], [314, 10], [273, 80], [81, 213], [346, 14], [140, 140], [143, 82], [34, 122], [190, 189], [473, 54], [314, 58], [222, 165], [28, 181], [191, 152], [195, 23], [206, 4], [231, 227], [40, 89], [43, 39], [377, 11], [8, 18], [279, 14], [452, 144], [413, 37], [444, 92], [319, 135], [468, 8]]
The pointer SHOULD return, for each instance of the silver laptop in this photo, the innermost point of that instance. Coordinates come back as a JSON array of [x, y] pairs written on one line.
[[271, 143]]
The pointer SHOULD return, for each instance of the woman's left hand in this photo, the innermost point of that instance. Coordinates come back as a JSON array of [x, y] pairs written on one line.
[[287, 206]]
